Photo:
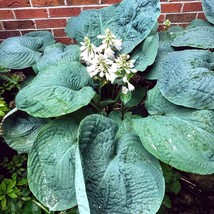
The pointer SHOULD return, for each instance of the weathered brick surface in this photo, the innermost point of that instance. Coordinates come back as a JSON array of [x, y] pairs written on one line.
[[40, 3], [171, 7], [178, 18], [64, 12], [8, 34], [80, 2], [193, 6], [66, 41], [59, 33], [50, 23], [14, 3], [31, 13], [110, 1], [12, 25], [6, 14]]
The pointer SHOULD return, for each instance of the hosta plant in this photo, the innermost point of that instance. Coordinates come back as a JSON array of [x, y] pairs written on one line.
[[92, 120]]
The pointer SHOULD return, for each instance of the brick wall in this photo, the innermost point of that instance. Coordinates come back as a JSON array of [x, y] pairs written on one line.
[[18, 17]]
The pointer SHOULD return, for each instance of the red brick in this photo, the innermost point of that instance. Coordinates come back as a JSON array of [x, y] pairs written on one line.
[[93, 7], [162, 18], [40, 3], [81, 2], [51, 23], [14, 3], [6, 14], [1, 26], [171, 7], [64, 12], [25, 24], [31, 13], [59, 33], [201, 16], [7, 34], [23, 32], [192, 6], [176, 18], [66, 41], [111, 1]]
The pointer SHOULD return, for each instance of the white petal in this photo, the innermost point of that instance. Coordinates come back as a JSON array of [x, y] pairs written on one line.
[[131, 87], [124, 90]]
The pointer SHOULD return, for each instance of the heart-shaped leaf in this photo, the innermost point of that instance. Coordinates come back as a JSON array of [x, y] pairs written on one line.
[[187, 78], [21, 129], [46, 37], [51, 165], [20, 52], [178, 136], [131, 21], [196, 37], [121, 176], [146, 53], [57, 91], [58, 53]]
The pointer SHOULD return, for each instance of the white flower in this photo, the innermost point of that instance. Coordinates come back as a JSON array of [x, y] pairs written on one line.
[[109, 53], [109, 40], [88, 51], [130, 87], [125, 90]]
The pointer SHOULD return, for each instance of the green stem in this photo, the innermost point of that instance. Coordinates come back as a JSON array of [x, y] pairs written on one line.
[[42, 207], [94, 105]]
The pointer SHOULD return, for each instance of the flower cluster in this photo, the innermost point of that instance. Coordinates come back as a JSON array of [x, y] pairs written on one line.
[[105, 62]]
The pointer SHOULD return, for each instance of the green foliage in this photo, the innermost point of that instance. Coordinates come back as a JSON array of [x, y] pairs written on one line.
[[92, 151]]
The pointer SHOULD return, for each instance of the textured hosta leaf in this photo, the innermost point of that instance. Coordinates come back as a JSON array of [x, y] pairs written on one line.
[[187, 78], [208, 8], [178, 136], [58, 53], [199, 22], [60, 90], [90, 23], [197, 37], [51, 165], [134, 20], [121, 177], [46, 37], [20, 130], [145, 55], [124, 122], [20, 52], [130, 21], [165, 39]]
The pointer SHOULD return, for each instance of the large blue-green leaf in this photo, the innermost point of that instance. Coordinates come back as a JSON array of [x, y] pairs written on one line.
[[51, 165], [131, 21], [196, 37], [146, 53], [178, 136], [58, 53], [187, 78], [121, 176], [208, 8], [21, 129], [46, 37], [90, 23], [59, 90], [20, 52], [199, 22], [165, 40]]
